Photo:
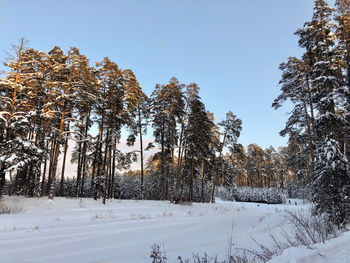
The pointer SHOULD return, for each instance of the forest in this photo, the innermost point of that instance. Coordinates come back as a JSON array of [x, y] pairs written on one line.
[[49, 100]]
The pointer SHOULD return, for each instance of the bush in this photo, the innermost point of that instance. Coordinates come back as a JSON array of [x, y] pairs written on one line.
[[299, 191], [270, 195], [226, 194], [157, 255], [260, 195], [309, 230]]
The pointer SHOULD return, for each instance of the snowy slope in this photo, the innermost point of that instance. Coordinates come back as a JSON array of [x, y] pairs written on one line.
[[332, 251], [69, 230]]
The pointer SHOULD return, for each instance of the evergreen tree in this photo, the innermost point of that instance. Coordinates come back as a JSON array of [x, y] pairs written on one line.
[[331, 184], [167, 111], [19, 153], [232, 127], [198, 140], [138, 106], [295, 85], [320, 75]]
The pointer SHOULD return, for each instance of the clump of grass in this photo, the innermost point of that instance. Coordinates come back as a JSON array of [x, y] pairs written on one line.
[[13, 207]]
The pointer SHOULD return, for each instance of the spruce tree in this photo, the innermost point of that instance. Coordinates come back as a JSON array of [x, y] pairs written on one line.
[[331, 183]]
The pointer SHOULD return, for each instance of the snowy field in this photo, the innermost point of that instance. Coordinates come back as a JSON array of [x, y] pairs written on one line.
[[73, 230]]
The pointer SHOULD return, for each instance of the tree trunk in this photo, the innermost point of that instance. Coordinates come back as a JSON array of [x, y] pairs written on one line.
[[64, 164], [309, 133], [87, 124], [104, 170], [82, 119], [53, 147], [216, 176], [109, 165], [191, 182], [44, 172], [2, 179], [113, 169], [99, 156], [56, 154], [202, 186], [141, 154], [162, 165]]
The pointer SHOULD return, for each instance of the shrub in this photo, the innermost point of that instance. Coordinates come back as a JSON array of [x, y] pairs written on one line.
[[260, 195], [226, 194], [270, 195], [157, 255], [299, 191]]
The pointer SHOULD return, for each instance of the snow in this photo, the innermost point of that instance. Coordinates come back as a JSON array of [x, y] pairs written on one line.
[[334, 250], [84, 230], [69, 230]]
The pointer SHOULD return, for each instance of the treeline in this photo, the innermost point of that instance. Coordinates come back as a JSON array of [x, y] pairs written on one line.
[[318, 85], [49, 99], [257, 168]]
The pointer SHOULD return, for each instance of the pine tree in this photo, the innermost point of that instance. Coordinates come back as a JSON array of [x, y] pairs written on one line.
[[232, 127], [343, 34], [295, 85], [19, 153], [238, 159], [114, 115], [84, 79], [63, 86], [331, 185], [320, 75], [269, 165], [198, 140], [191, 92], [255, 165], [138, 106], [167, 110]]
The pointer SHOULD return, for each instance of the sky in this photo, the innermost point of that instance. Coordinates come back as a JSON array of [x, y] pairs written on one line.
[[230, 48]]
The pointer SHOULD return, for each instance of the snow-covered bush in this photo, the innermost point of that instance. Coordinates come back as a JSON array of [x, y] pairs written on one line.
[[226, 194], [299, 190], [270, 195], [197, 192], [127, 187]]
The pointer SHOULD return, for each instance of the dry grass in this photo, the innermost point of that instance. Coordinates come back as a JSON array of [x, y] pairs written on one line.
[[12, 206]]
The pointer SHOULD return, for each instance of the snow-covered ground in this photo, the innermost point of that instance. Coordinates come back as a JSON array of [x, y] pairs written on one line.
[[332, 251], [73, 230]]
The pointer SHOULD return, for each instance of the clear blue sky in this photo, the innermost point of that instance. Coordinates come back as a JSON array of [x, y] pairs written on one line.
[[230, 48]]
